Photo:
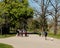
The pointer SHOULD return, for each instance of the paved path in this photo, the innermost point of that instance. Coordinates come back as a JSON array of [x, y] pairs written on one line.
[[33, 41]]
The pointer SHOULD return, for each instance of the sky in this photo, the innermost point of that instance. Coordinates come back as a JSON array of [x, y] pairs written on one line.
[[34, 5]]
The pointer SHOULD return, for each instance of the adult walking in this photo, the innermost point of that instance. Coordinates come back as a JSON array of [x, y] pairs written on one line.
[[17, 32], [45, 33]]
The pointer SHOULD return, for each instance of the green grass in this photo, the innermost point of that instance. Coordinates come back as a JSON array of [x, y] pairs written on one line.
[[5, 46], [6, 36], [54, 36]]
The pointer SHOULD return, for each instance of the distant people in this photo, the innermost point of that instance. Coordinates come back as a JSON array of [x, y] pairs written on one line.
[[25, 33], [41, 34], [45, 33], [17, 32], [22, 32]]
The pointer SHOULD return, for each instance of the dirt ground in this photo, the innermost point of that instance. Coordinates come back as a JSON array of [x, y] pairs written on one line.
[[32, 41]]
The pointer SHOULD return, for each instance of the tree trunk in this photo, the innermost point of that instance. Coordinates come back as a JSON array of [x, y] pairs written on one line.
[[44, 22], [55, 26]]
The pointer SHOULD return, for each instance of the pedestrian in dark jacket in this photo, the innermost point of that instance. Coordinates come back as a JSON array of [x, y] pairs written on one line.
[[45, 33]]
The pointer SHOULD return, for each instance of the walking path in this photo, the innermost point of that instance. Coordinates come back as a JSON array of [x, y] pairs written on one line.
[[33, 41]]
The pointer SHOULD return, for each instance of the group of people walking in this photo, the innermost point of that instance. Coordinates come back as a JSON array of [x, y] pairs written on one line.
[[24, 32], [21, 32]]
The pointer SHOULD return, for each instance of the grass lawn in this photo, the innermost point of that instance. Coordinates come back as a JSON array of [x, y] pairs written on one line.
[[5, 46], [8, 35], [54, 36]]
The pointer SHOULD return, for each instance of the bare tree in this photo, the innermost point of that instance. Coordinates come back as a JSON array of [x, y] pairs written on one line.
[[44, 7], [55, 13]]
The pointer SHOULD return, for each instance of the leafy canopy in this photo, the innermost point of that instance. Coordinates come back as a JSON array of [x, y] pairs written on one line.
[[16, 10]]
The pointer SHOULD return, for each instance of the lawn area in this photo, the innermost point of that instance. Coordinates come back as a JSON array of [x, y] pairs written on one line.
[[54, 36], [5, 46], [8, 35]]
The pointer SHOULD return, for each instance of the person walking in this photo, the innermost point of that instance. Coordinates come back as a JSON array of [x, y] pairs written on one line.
[[45, 33], [22, 32], [17, 32]]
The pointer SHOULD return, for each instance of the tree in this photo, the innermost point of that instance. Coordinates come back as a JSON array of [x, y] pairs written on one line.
[[44, 7], [33, 25], [16, 12], [55, 14]]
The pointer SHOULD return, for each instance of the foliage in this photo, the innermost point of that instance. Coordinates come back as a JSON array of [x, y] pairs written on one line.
[[15, 12], [33, 25]]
